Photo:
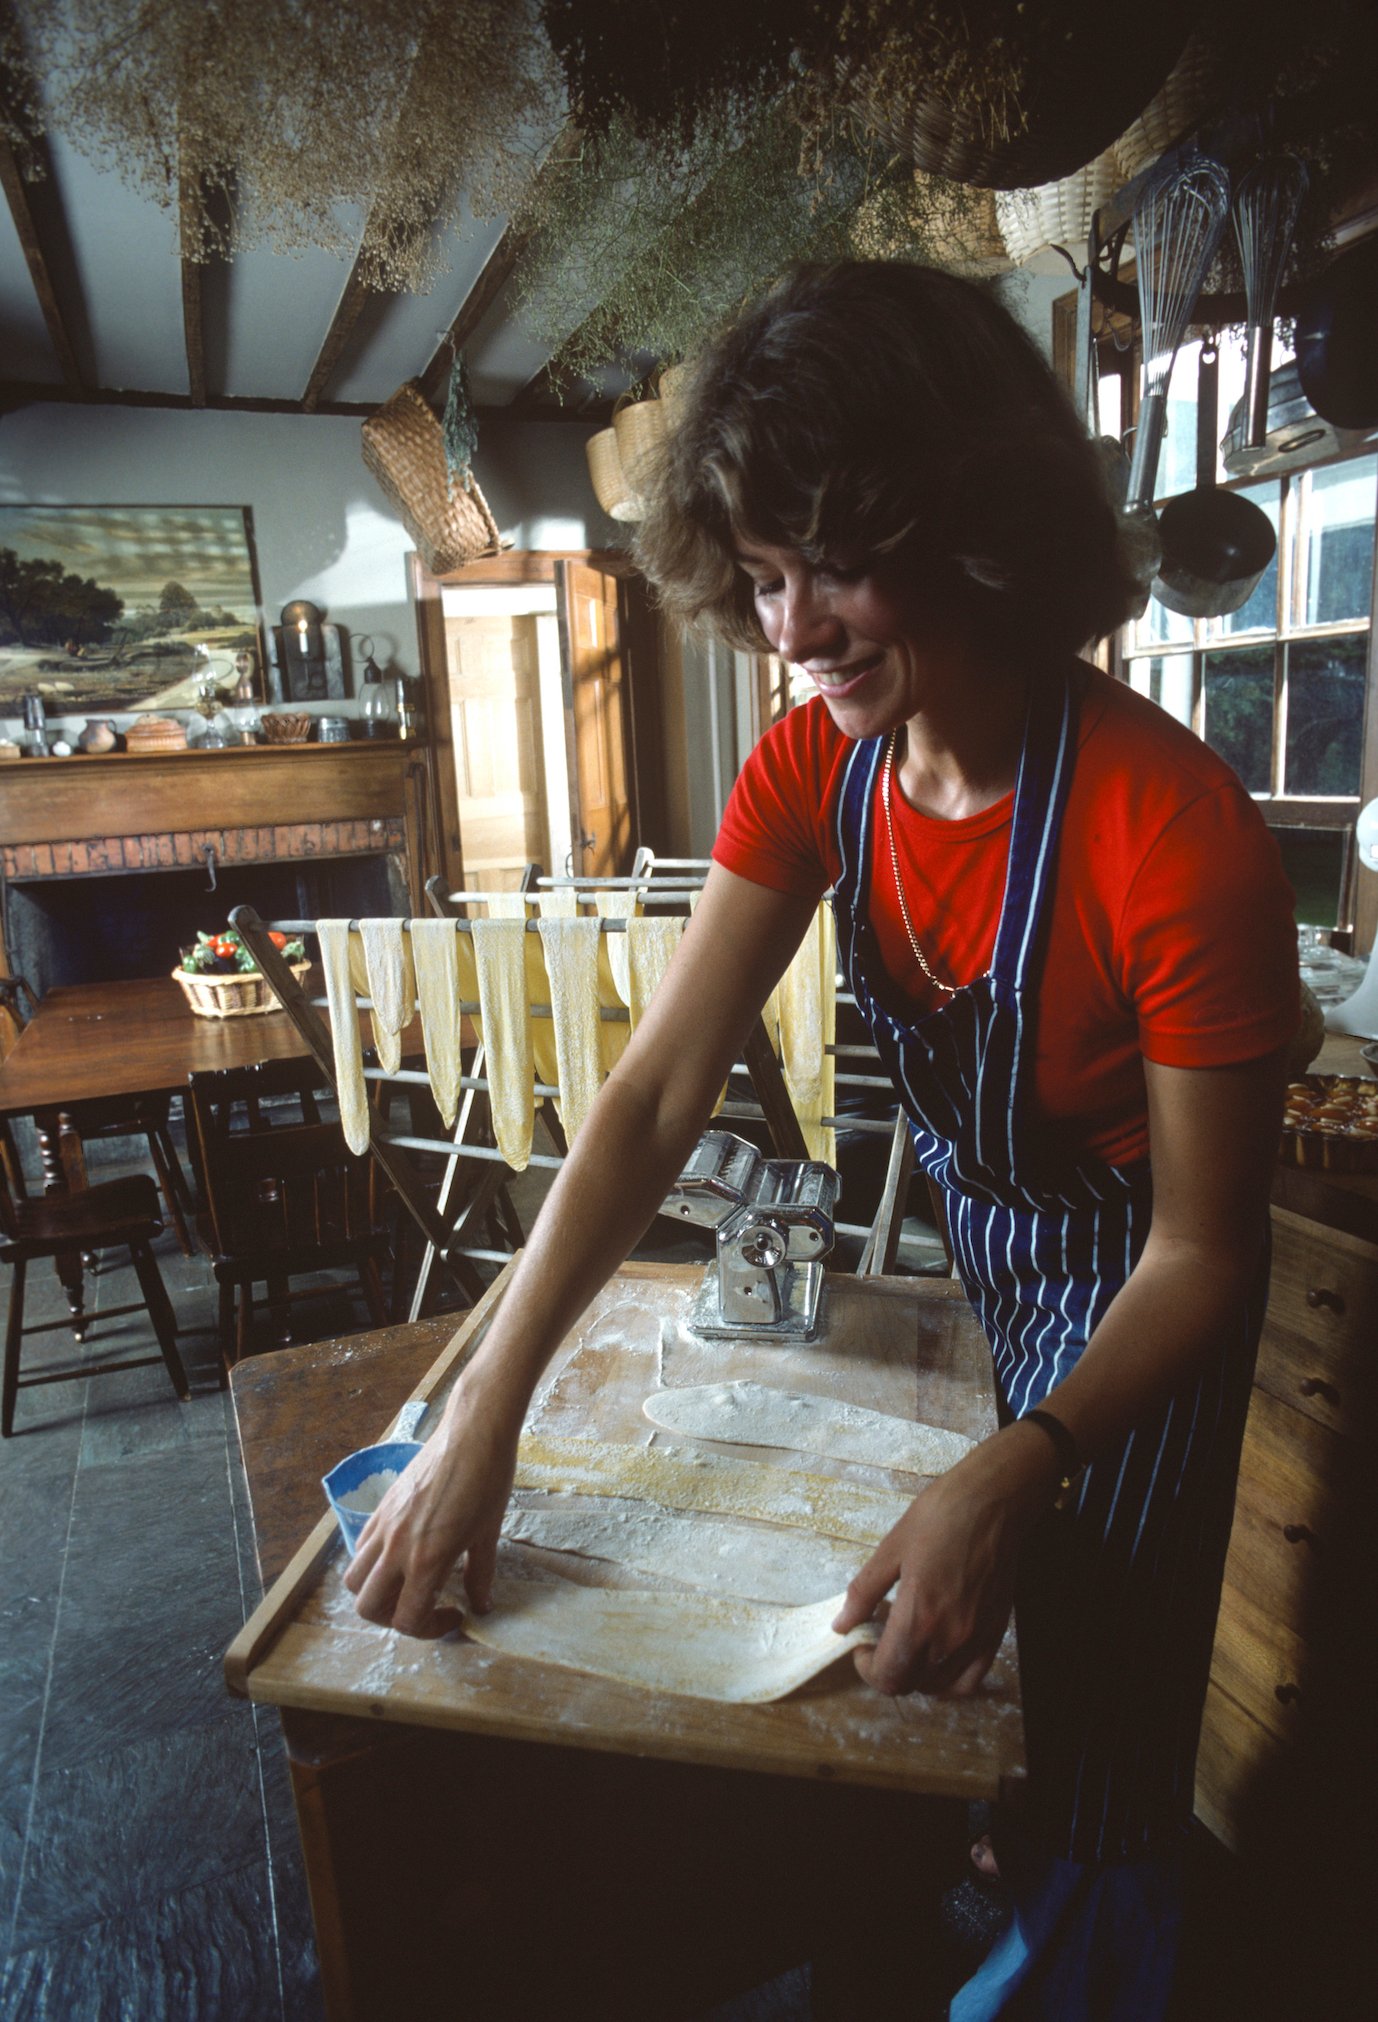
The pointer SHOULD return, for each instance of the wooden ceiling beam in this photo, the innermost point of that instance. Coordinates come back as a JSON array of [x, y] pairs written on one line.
[[17, 393], [16, 196], [189, 201], [348, 310], [497, 272]]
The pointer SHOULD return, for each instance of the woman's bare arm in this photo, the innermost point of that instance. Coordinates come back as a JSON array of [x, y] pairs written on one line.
[[631, 1149], [1213, 1138]]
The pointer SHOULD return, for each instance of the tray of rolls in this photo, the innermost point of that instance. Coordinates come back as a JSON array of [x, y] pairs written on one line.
[[1331, 1123]]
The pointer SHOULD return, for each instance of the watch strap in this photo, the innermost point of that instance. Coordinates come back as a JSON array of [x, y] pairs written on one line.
[[1068, 1458]]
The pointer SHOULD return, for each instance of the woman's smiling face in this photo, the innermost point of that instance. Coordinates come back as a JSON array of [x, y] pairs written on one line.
[[872, 646]]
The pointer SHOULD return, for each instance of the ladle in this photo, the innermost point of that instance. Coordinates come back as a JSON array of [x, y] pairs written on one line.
[[1216, 545]]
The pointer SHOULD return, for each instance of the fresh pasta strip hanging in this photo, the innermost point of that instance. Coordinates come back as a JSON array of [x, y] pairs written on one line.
[[391, 987], [504, 1008], [350, 1090], [570, 948], [651, 944], [435, 961], [558, 905], [619, 905], [807, 999]]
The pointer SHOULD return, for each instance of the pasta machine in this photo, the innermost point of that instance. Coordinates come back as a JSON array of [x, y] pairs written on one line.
[[774, 1221]]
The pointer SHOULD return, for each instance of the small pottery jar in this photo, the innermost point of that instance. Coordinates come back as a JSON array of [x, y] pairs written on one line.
[[99, 734]]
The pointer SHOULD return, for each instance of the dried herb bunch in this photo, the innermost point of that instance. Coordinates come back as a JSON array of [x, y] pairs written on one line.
[[642, 246], [264, 121]]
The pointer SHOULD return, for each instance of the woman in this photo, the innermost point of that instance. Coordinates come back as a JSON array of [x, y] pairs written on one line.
[[1069, 933]]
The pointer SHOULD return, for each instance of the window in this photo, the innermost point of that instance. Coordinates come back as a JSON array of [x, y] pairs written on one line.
[[1278, 687]]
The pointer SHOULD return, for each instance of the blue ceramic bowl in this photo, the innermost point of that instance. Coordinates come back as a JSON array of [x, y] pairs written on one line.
[[348, 1476]]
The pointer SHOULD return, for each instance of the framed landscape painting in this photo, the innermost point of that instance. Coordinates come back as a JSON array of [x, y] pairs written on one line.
[[125, 607]]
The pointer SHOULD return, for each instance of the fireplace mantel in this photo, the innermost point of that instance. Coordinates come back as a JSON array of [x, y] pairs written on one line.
[[102, 815]]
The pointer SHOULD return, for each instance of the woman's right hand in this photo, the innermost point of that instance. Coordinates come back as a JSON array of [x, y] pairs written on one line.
[[448, 1503]]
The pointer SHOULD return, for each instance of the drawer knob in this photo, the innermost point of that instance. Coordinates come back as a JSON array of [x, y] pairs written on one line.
[[1300, 1534], [1321, 1295], [1316, 1386], [1287, 1695]]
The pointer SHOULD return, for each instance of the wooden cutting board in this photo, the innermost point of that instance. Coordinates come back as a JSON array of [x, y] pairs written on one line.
[[905, 1346]]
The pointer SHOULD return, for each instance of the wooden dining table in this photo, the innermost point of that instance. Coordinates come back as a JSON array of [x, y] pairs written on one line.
[[134, 1039]]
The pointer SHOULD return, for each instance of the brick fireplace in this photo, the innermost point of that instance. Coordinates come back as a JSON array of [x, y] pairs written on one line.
[[108, 865]]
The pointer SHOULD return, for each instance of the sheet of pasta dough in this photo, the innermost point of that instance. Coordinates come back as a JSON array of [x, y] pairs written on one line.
[[752, 1414], [754, 1562], [712, 1482], [704, 1648], [333, 937], [500, 960]]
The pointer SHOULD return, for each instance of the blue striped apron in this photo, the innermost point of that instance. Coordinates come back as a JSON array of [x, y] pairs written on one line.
[[1117, 1597]]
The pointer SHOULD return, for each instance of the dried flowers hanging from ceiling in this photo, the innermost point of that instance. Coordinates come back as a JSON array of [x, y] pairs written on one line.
[[292, 122], [641, 246]]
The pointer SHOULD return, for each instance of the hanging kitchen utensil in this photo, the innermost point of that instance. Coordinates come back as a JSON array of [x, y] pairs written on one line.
[[1216, 545], [1177, 226], [1266, 204], [1337, 339], [1138, 527], [1296, 435]]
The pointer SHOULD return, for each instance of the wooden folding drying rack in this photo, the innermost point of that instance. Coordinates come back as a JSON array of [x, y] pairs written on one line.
[[443, 1223]]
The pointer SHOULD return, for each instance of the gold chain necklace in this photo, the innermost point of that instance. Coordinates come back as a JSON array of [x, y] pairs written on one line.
[[948, 989]]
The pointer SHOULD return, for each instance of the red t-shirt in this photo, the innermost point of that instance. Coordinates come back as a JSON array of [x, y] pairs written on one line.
[[1171, 938]]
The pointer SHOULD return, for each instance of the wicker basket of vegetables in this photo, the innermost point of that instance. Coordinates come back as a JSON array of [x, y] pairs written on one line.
[[222, 980]]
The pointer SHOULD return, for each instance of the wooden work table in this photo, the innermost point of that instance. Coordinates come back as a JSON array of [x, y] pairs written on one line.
[[614, 1868]]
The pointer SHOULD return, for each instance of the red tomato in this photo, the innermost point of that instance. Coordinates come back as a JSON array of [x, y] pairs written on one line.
[[278, 940]]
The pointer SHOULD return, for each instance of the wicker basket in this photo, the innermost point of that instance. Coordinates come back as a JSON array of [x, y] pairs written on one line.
[[1033, 221], [156, 733], [404, 447], [1191, 88], [610, 486], [1086, 72], [241, 993], [291, 727], [640, 431]]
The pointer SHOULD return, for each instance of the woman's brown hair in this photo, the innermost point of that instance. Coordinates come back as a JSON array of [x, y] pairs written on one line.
[[878, 410]]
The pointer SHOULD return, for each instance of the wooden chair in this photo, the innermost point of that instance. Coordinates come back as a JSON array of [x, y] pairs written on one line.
[[117, 1212], [146, 1116], [281, 1199]]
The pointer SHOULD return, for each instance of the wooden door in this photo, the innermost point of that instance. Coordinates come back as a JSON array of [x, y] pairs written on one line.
[[495, 722], [596, 694]]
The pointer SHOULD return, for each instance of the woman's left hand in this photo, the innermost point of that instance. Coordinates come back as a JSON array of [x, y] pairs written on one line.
[[954, 1554]]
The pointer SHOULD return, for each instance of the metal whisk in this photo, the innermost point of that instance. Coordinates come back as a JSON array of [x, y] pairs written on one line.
[[1177, 227], [1265, 221]]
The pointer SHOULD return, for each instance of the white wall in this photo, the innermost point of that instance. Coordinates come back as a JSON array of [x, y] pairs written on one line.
[[323, 530]]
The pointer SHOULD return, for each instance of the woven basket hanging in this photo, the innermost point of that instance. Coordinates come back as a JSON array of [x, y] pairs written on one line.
[[404, 447], [610, 486], [1088, 68], [640, 431], [1033, 221]]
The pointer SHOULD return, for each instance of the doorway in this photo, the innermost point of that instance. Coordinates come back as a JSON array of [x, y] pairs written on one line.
[[543, 754]]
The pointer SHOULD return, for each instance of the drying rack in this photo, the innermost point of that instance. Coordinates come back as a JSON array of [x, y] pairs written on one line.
[[445, 1226]]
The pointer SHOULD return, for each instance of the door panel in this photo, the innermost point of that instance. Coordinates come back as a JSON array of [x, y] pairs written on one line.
[[597, 698], [495, 717]]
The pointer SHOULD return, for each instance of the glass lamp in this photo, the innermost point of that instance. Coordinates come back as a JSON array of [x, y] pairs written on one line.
[[375, 699]]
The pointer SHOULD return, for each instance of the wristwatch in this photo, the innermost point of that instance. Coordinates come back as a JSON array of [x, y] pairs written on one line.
[[1069, 1459]]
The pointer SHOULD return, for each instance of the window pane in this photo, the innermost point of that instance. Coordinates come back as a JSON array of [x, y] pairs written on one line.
[[1260, 614], [1313, 859], [1337, 537], [1166, 680], [1160, 627], [1177, 458], [1325, 715], [1239, 712]]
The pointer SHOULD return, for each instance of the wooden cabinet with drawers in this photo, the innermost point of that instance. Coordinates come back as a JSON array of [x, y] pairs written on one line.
[[1287, 1774], [1297, 1580]]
